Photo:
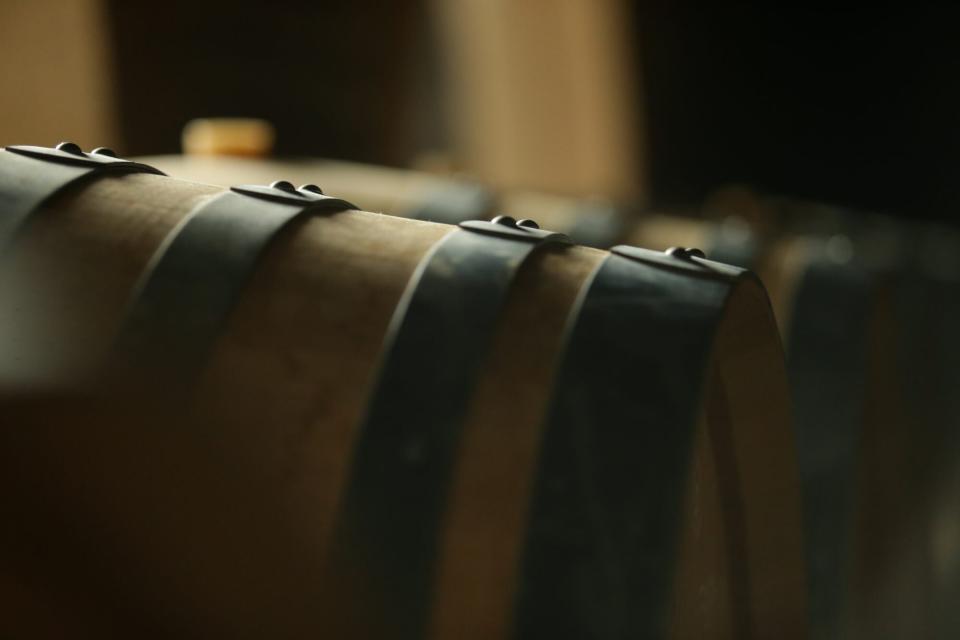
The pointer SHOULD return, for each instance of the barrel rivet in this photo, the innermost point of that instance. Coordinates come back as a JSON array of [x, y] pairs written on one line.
[[70, 147], [312, 188], [105, 151], [283, 185], [684, 253], [526, 222], [506, 221]]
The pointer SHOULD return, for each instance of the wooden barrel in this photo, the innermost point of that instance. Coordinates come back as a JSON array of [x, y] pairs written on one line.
[[926, 299], [875, 450], [863, 315], [612, 456]]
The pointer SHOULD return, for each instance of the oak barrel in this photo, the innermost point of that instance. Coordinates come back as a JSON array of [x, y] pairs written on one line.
[[863, 303], [615, 458], [873, 416]]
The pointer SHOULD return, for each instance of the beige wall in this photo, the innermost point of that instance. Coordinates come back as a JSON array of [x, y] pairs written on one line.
[[543, 94], [54, 73]]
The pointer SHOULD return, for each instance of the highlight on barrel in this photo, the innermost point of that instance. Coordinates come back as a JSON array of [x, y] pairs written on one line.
[[448, 198], [264, 412]]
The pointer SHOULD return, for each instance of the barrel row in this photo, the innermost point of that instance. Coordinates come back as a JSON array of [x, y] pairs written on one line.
[[865, 306], [263, 411]]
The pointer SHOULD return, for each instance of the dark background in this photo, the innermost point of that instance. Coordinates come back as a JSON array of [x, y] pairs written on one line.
[[853, 107], [282, 61], [858, 107]]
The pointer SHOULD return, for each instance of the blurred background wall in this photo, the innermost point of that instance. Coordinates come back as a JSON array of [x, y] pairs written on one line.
[[856, 106], [56, 70], [666, 101]]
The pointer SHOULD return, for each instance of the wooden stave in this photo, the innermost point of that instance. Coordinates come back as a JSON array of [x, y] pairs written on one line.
[[224, 386]]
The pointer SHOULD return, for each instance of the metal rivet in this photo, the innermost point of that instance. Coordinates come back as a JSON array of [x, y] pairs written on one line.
[[684, 253], [283, 185], [104, 151], [70, 147], [506, 221], [312, 188], [526, 222]]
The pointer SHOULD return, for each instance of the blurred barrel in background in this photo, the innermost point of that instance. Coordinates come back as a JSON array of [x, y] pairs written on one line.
[[323, 420], [924, 295], [866, 350]]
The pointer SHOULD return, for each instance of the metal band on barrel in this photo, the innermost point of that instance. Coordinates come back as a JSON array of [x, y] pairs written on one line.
[[601, 536], [198, 274], [395, 496], [827, 364], [31, 175]]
